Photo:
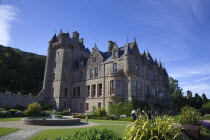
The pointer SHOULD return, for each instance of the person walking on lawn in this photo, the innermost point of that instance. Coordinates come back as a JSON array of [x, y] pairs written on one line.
[[134, 115]]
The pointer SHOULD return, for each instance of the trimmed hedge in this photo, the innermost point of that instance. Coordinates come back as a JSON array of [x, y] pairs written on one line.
[[90, 117], [100, 118], [126, 119], [80, 116]]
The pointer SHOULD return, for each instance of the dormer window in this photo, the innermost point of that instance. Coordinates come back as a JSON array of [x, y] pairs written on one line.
[[115, 53], [93, 59]]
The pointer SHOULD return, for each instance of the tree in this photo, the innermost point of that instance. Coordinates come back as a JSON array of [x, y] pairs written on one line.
[[204, 98], [121, 108], [178, 100], [198, 101], [189, 94]]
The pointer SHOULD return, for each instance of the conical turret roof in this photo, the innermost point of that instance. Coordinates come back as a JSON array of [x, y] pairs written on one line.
[[54, 38], [127, 49]]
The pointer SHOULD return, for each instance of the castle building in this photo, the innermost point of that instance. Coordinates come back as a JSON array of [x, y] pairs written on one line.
[[78, 79]]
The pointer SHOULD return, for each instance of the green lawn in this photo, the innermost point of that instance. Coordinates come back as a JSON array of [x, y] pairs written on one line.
[[10, 119], [4, 131], [56, 133], [107, 121]]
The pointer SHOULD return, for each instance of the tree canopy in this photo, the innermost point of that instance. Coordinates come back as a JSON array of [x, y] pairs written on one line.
[[20, 71]]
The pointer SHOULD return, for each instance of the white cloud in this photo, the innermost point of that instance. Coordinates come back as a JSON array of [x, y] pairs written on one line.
[[8, 14], [190, 71], [202, 79], [197, 88]]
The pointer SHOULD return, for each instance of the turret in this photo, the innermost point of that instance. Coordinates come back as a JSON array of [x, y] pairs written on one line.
[[81, 40], [128, 60], [160, 64], [75, 35], [54, 39]]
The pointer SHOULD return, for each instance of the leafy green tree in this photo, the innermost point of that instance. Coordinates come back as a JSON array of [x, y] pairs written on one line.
[[178, 100], [189, 94], [198, 101], [205, 108], [121, 108], [204, 98]]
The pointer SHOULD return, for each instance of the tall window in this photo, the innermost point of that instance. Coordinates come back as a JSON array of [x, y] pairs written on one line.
[[87, 106], [152, 74], [156, 76], [65, 92], [88, 90], [112, 85], [91, 73], [94, 90], [78, 91], [137, 68], [115, 66], [81, 75], [139, 89], [99, 104], [153, 91], [136, 87], [99, 89], [119, 87], [96, 72], [74, 92], [147, 75], [147, 89]]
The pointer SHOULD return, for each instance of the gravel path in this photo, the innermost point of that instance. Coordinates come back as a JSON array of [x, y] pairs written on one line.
[[21, 134]]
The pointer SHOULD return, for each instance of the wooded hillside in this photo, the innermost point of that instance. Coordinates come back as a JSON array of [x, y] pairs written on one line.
[[21, 71]]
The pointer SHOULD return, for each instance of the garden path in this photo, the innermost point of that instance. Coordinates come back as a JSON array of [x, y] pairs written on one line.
[[27, 131]]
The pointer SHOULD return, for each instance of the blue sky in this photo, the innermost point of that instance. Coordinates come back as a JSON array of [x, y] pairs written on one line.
[[175, 31]]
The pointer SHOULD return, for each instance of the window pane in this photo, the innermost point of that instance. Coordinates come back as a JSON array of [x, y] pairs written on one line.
[[96, 72], [112, 86], [119, 87], [115, 66]]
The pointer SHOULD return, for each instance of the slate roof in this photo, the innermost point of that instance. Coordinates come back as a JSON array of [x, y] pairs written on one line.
[[54, 38]]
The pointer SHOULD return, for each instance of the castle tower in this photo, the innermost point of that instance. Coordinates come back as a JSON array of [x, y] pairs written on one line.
[[66, 52], [47, 90], [128, 68]]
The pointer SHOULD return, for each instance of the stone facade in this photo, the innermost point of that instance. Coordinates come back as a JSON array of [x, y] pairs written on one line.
[[11, 100], [78, 79]]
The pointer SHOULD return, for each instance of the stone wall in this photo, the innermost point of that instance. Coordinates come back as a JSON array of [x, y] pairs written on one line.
[[12, 100]]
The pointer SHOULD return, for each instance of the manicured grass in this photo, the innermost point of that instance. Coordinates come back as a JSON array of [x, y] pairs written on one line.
[[107, 121], [56, 133], [10, 119], [4, 131]]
